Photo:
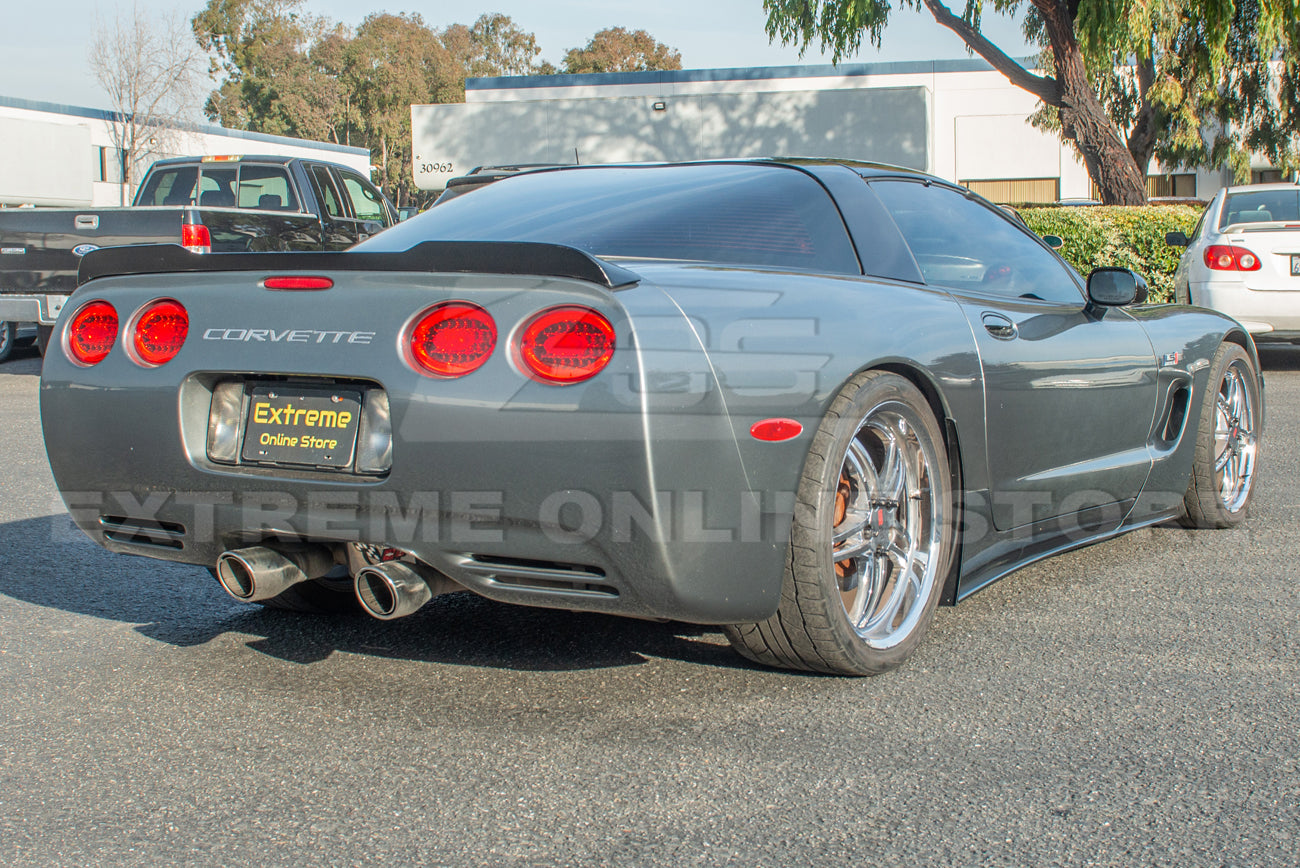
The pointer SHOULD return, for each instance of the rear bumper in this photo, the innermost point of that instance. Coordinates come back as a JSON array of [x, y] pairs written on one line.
[[43, 309], [603, 497], [1265, 313]]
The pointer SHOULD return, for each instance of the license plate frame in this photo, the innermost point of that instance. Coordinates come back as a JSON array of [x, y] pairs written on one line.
[[301, 426]]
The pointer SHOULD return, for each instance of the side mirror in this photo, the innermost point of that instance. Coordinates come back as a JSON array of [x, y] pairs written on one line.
[[1055, 242], [1116, 287], [1176, 239]]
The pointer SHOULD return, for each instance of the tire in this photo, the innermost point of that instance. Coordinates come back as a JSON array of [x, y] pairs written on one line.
[[893, 508], [44, 334], [1227, 443], [8, 334], [326, 596]]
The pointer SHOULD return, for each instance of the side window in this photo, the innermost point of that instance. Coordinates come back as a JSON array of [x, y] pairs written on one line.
[[329, 199], [170, 187], [217, 187], [266, 188], [964, 244], [367, 203]]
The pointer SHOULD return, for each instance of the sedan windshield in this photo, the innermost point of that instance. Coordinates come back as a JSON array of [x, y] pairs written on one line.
[[748, 215]]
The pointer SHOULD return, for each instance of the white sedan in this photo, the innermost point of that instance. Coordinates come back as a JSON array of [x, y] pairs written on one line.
[[1243, 259]]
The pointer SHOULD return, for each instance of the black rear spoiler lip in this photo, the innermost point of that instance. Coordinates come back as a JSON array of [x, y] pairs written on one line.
[[465, 257]]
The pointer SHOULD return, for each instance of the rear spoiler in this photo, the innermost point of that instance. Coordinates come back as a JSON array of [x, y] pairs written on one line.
[[481, 257]]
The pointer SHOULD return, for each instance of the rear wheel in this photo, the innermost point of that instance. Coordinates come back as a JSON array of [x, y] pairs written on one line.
[[871, 541], [1227, 443], [7, 337]]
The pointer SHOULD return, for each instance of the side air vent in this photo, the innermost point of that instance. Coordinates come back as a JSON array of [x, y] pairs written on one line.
[[540, 575], [1178, 402], [143, 531]]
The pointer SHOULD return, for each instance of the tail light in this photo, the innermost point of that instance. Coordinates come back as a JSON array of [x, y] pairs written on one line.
[[1226, 257], [452, 339], [160, 330], [566, 345], [91, 333], [196, 238]]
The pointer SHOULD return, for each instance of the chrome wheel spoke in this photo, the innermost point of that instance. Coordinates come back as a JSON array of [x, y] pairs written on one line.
[[884, 548]]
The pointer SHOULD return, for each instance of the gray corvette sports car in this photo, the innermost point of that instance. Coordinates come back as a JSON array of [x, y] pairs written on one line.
[[805, 400]]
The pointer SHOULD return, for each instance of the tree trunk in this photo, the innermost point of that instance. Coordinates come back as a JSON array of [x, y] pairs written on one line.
[[1084, 120]]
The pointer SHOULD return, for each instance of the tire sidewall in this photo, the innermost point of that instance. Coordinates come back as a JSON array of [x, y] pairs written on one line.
[[813, 521], [1227, 354]]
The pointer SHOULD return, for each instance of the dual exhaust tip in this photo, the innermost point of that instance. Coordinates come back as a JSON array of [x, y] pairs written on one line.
[[389, 590]]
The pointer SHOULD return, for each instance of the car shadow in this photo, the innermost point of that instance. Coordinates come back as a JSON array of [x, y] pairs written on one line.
[[22, 360], [182, 605]]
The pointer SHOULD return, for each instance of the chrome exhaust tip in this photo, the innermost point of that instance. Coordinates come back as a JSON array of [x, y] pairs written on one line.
[[391, 590], [260, 573]]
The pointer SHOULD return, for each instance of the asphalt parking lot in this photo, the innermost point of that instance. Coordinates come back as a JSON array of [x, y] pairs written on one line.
[[1133, 703]]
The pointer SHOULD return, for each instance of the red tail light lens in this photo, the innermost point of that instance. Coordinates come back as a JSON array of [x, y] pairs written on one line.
[[91, 333], [566, 344], [1225, 257], [452, 339], [196, 238], [160, 331]]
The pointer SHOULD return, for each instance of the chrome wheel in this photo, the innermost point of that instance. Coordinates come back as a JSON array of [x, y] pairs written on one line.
[[887, 533], [1234, 436], [872, 539]]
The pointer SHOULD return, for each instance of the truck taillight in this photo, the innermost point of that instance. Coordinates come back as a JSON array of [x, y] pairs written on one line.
[[196, 238], [452, 339], [159, 334], [91, 333], [566, 344]]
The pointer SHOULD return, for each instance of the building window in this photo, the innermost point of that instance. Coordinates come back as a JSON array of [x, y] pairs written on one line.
[[1266, 176], [1176, 186], [1017, 191], [110, 165]]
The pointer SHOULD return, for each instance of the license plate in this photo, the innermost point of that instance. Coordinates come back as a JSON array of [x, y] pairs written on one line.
[[1295, 265], [308, 427]]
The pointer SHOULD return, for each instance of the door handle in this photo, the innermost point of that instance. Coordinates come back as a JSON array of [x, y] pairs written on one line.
[[999, 326]]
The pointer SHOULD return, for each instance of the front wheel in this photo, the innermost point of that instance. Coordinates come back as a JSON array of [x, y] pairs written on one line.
[[872, 537], [1227, 443]]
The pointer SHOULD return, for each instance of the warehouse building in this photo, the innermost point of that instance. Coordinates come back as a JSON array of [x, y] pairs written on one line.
[[958, 119], [65, 155]]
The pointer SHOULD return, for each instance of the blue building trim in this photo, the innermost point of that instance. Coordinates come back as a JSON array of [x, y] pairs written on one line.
[[740, 73], [113, 117]]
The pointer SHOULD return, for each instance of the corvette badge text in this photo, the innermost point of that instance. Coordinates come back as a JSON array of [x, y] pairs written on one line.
[[290, 336]]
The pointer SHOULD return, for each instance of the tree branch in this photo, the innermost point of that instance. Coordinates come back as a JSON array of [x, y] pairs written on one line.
[[1046, 89]]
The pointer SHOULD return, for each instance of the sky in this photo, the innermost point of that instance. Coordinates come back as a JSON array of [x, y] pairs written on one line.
[[43, 51]]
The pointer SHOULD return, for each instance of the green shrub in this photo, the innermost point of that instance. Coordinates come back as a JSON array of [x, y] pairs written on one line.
[[1133, 238]]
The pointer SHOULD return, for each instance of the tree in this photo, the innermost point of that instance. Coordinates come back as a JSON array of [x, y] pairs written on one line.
[[281, 68], [616, 49], [1123, 79], [150, 73], [493, 46], [393, 62]]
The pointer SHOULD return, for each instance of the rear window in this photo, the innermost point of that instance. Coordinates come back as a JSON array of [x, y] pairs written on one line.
[[1260, 206], [751, 215], [248, 186]]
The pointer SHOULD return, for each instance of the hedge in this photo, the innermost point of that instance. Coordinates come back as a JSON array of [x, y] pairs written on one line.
[[1132, 237]]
